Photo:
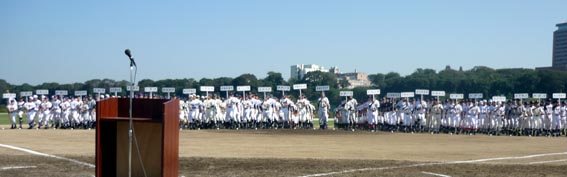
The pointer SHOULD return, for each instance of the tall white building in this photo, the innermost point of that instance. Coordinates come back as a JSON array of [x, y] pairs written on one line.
[[299, 71]]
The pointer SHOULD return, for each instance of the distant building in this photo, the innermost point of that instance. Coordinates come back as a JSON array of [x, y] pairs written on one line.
[[334, 70], [299, 71], [559, 58], [355, 79], [560, 47]]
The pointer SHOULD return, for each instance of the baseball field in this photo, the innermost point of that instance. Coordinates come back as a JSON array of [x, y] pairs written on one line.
[[300, 153]]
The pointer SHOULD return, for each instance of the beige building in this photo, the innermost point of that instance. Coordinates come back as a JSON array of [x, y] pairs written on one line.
[[355, 79]]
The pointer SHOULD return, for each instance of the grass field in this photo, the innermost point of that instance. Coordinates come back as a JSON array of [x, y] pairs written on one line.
[[4, 119], [306, 152]]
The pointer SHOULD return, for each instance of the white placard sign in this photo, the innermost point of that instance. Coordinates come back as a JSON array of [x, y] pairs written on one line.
[[539, 95], [299, 86], [457, 96], [264, 89], [322, 88], [99, 90], [346, 93], [438, 93], [136, 88], [373, 92], [115, 89], [189, 91], [521, 96], [227, 88], [150, 89], [476, 95], [244, 88], [168, 89], [61, 92], [8, 95], [80, 93], [559, 96], [421, 92], [42, 92], [407, 94], [499, 98], [26, 93], [393, 95], [283, 88], [207, 89]]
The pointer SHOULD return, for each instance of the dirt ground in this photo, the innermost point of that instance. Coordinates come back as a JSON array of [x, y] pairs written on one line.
[[306, 152]]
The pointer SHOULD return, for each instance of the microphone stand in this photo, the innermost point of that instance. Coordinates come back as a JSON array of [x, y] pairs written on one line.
[[130, 130]]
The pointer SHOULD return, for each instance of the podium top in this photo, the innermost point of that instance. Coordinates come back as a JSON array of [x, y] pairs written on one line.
[[142, 109]]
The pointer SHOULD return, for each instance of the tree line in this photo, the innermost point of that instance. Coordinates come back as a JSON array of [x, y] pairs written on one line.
[[480, 79]]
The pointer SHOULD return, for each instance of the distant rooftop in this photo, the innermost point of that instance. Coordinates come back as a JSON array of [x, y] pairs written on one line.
[[562, 25]]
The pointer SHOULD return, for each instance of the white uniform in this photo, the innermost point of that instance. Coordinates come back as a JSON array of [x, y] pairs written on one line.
[[472, 116], [407, 114], [350, 107], [219, 110], [436, 111], [56, 112], [268, 107], [286, 105], [457, 116], [372, 112], [32, 111], [232, 109], [323, 112], [420, 110], [563, 115], [21, 108], [182, 112], [194, 110], [483, 117], [13, 111], [85, 116], [47, 116], [556, 121], [75, 105], [210, 110], [66, 107]]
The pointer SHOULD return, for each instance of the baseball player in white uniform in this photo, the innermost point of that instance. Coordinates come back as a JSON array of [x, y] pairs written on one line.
[[323, 111], [437, 111], [373, 113], [31, 107], [56, 111], [194, 111], [13, 112], [46, 111]]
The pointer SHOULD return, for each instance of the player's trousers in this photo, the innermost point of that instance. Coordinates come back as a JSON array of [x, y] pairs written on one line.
[[323, 116], [31, 116], [13, 117]]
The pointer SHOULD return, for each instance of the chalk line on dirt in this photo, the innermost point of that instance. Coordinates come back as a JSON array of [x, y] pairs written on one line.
[[436, 163], [16, 167], [47, 155], [551, 161], [435, 174]]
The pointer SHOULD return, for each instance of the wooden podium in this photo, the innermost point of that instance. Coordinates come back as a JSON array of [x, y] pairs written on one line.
[[156, 127]]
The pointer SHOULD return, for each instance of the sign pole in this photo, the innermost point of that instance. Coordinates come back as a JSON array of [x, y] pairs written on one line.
[[322, 89], [283, 88], [300, 87], [373, 92], [243, 89]]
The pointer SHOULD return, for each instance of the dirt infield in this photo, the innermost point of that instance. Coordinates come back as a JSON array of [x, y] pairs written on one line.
[[306, 152]]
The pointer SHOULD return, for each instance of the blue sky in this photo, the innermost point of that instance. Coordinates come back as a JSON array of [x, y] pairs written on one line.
[[73, 41]]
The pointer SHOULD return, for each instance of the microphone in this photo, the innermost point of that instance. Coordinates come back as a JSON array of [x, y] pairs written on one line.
[[129, 54]]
